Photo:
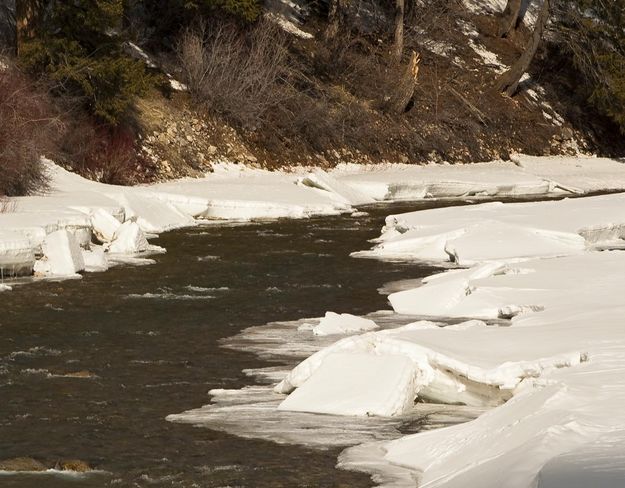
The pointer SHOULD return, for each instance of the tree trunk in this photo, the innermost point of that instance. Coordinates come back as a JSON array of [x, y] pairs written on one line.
[[508, 83], [334, 20], [400, 102], [398, 45], [510, 18], [28, 14]]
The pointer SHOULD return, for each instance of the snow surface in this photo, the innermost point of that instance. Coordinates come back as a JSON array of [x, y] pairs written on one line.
[[496, 231], [560, 365]]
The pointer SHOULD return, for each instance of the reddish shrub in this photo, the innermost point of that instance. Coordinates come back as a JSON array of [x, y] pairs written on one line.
[[29, 128], [106, 154]]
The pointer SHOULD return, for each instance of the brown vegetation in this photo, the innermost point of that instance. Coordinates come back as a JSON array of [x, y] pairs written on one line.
[[105, 154], [29, 128], [236, 73]]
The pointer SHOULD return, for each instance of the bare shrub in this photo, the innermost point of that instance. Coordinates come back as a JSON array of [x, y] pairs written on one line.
[[238, 74], [106, 154], [6, 205], [29, 128]]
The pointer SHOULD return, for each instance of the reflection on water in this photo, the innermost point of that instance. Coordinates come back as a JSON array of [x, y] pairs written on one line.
[[90, 368]]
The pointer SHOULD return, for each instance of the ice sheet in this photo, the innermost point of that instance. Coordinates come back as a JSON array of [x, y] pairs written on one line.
[[495, 231], [562, 359]]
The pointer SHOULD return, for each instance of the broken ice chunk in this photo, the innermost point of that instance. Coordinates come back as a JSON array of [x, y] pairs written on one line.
[[334, 323], [62, 255], [357, 384], [129, 239]]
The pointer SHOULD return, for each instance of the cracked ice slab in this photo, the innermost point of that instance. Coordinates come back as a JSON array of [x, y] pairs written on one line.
[[16, 253], [377, 385], [560, 420]]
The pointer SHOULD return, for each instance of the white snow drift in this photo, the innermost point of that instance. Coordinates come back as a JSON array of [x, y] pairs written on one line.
[[559, 366], [496, 231], [105, 220], [121, 219]]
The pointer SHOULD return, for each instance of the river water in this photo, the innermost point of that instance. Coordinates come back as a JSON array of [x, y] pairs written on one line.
[[148, 341]]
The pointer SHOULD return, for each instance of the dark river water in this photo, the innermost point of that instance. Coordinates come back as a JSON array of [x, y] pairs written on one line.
[[149, 336]]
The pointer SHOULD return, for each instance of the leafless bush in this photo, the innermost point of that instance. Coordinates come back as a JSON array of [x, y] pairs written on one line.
[[238, 74], [6, 205], [29, 128], [105, 154]]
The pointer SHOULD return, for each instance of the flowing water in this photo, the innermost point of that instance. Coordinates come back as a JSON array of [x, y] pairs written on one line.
[[145, 342]]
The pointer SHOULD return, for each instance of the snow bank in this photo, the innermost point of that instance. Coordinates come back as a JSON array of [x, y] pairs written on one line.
[[246, 194], [410, 182], [562, 361], [577, 175], [526, 176], [94, 212], [334, 323], [122, 218], [495, 231]]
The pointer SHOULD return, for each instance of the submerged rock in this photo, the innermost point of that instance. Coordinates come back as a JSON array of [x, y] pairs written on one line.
[[21, 464], [27, 464], [73, 465]]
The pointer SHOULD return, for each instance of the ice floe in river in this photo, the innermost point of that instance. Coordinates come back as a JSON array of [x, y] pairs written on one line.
[[254, 411]]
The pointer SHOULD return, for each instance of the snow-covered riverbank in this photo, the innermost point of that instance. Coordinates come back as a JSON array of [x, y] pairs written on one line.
[[562, 361], [81, 225], [556, 370]]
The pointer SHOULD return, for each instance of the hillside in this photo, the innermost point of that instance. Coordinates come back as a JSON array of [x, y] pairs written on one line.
[[283, 90]]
